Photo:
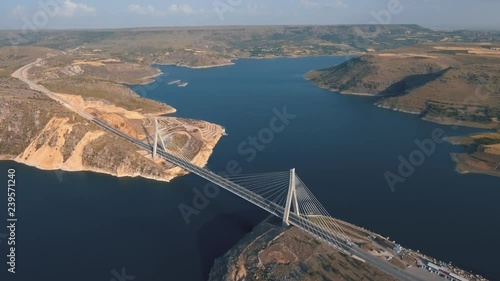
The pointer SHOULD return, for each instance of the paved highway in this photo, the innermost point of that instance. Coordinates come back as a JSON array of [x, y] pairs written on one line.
[[21, 74]]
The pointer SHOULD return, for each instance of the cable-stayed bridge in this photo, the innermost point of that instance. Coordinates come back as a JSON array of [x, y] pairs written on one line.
[[282, 194]]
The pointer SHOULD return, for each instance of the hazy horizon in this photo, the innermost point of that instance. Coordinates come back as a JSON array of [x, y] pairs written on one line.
[[93, 14], [438, 28]]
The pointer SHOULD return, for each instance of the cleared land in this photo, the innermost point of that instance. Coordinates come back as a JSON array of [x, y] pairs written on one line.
[[40, 132]]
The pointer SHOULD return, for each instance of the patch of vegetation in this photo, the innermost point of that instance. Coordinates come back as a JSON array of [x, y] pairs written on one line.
[[487, 141], [109, 92], [72, 139]]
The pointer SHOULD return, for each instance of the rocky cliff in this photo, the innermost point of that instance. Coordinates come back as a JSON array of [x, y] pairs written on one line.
[[38, 131]]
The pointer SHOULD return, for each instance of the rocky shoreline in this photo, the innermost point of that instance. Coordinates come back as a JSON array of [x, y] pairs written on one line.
[[271, 252], [63, 140], [440, 87]]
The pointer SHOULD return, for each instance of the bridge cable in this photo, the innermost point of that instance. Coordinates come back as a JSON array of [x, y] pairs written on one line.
[[324, 213]]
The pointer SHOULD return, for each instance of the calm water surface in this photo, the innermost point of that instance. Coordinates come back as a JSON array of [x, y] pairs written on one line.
[[81, 226]]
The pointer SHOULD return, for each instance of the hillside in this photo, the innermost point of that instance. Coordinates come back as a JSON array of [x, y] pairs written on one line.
[[448, 84], [211, 45], [38, 131], [271, 252], [441, 85]]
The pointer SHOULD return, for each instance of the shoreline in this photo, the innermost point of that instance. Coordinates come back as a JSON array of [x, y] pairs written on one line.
[[270, 244], [201, 158], [333, 90], [210, 66], [145, 80], [301, 56], [93, 170], [151, 79], [464, 168], [458, 123], [195, 67], [491, 126], [233, 61], [394, 108], [460, 166]]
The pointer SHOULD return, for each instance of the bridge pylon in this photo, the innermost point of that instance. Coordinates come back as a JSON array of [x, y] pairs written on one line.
[[291, 197], [155, 146], [158, 136]]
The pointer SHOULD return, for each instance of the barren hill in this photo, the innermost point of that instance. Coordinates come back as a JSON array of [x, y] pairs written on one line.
[[448, 84], [442, 84]]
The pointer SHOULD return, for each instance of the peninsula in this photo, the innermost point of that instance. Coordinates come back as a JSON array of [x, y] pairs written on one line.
[[451, 84], [88, 70], [271, 252], [46, 102]]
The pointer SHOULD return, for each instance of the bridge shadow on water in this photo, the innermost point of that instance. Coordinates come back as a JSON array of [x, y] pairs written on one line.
[[229, 228]]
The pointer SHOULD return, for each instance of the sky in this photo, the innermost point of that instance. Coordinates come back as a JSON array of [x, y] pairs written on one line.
[[85, 14]]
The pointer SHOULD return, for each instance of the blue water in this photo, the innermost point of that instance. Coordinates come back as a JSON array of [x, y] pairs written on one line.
[[89, 224]]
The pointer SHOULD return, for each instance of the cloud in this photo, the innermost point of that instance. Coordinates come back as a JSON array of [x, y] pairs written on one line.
[[330, 4], [337, 4], [183, 9], [69, 9], [310, 4], [143, 10], [149, 10], [18, 11]]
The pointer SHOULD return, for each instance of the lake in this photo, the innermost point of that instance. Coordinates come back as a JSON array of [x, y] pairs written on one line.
[[86, 226]]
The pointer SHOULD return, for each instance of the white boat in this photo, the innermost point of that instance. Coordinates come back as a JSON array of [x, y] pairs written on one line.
[[174, 82], [183, 85]]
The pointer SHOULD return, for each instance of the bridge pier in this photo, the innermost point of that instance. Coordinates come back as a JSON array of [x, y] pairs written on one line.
[[291, 198]]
